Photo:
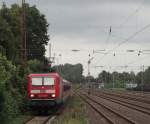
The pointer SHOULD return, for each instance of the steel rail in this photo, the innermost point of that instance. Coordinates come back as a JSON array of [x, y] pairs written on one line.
[[108, 108], [140, 99], [99, 112], [125, 103]]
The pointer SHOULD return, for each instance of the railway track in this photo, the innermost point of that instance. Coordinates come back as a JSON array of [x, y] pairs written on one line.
[[133, 93], [140, 93], [107, 114], [139, 106], [41, 120], [136, 113], [128, 96]]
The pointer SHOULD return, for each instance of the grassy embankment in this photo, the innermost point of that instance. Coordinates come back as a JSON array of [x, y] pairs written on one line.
[[21, 119], [74, 113]]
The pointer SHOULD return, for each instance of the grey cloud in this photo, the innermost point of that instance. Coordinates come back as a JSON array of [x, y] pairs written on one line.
[[86, 24], [91, 19]]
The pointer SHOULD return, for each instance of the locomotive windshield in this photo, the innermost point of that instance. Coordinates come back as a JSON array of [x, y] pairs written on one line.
[[49, 81], [36, 81], [39, 81]]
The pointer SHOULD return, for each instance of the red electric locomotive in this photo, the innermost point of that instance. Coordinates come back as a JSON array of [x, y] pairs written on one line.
[[46, 90]]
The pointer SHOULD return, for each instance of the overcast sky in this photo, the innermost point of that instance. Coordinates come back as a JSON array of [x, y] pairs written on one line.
[[85, 25]]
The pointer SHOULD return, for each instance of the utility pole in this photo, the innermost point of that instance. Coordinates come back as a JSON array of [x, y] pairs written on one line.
[[23, 40], [50, 51], [113, 80], [89, 66], [23, 34], [142, 81], [50, 56], [89, 62]]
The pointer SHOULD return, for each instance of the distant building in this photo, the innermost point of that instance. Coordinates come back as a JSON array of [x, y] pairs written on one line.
[[97, 85], [101, 85], [131, 85]]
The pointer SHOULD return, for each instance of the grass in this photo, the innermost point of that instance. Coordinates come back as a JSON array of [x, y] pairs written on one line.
[[74, 113], [20, 119]]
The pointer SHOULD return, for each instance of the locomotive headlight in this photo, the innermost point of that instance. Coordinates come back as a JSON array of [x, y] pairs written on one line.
[[53, 95], [32, 95]]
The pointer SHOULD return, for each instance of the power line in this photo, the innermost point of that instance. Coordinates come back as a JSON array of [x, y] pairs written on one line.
[[139, 59], [126, 40], [132, 36], [121, 67], [108, 37], [118, 66], [126, 65], [132, 14], [129, 38]]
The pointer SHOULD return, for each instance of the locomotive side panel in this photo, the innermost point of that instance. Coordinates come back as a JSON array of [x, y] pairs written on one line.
[[66, 90]]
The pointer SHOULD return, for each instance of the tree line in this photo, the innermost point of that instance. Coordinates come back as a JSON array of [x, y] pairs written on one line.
[[119, 80], [10, 32], [13, 76], [72, 73]]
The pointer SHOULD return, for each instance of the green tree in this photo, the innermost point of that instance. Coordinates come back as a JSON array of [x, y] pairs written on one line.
[[6, 38], [71, 72], [7, 102], [37, 36], [10, 32]]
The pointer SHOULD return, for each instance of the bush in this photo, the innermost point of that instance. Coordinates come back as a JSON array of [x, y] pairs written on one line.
[[9, 105], [10, 109], [12, 78]]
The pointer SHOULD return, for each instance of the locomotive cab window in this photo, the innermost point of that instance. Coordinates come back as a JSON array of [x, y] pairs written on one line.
[[49, 81], [36, 81]]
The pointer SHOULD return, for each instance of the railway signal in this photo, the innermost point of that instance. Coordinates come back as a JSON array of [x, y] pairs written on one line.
[[89, 62]]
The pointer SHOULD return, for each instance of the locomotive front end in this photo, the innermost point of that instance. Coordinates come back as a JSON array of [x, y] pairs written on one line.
[[42, 90]]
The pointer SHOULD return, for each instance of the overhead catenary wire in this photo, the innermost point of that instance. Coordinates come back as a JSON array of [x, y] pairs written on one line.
[[121, 67], [132, 14], [132, 36], [110, 27], [123, 42], [139, 59]]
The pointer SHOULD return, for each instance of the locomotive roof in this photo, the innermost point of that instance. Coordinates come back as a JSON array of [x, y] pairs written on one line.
[[47, 74], [44, 74]]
